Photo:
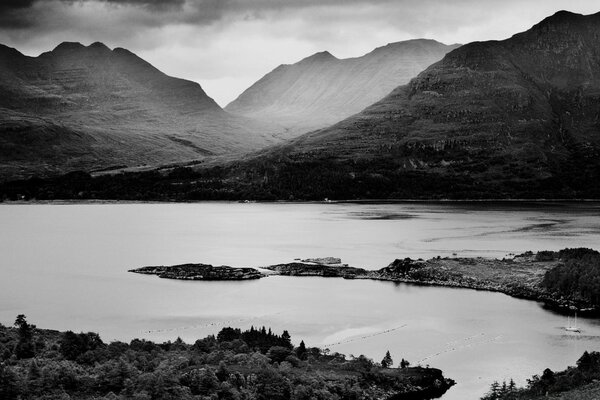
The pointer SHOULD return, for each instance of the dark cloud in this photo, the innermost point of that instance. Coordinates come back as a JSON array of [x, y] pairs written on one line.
[[8, 5], [16, 14], [13, 15]]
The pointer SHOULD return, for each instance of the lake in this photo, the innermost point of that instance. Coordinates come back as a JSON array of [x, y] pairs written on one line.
[[65, 267]]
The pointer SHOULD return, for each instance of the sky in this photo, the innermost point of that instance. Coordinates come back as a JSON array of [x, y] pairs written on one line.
[[226, 45]]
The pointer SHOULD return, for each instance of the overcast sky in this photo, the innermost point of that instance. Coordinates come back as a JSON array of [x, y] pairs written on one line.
[[226, 45]]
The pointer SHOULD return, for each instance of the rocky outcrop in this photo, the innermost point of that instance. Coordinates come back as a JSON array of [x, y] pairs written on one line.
[[327, 271], [200, 272]]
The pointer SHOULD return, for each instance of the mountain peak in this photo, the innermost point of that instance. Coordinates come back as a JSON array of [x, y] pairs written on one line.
[[98, 46], [563, 17], [68, 46], [322, 56]]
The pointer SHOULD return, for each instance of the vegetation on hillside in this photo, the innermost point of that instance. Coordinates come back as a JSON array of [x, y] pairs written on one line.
[[258, 179], [578, 382], [233, 365], [576, 277]]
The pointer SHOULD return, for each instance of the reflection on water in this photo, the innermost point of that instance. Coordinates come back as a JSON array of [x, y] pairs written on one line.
[[64, 266]]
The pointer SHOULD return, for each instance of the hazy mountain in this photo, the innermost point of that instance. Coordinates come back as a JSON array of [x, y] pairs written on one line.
[[79, 107], [512, 118], [321, 89]]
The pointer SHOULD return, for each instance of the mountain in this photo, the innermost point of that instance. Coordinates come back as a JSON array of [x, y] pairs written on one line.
[[321, 89], [84, 108], [510, 119], [496, 119]]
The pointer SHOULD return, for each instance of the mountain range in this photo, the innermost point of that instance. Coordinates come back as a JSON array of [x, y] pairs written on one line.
[[513, 118], [322, 89], [85, 108], [517, 118]]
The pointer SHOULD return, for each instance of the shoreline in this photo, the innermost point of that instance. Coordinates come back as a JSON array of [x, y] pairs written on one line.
[[519, 277]]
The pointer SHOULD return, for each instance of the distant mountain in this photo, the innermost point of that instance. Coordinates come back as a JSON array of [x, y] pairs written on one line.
[[321, 89], [512, 118], [79, 107]]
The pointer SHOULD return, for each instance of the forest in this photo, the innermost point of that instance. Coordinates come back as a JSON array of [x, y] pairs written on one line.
[[580, 382], [576, 277], [233, 365], [303, 179]]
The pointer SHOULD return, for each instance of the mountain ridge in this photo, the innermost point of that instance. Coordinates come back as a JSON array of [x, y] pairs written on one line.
[[321, 89], [516, 118]]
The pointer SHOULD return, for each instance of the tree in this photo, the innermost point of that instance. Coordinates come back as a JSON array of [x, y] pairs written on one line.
[[25, 347], [404, 363], [287, 339], [301, 352], [278, 353], [387, 361]]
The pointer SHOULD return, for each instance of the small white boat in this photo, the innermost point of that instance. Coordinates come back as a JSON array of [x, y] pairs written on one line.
[[572, 326]]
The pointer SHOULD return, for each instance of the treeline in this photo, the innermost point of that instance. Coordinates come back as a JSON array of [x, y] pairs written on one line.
[[255, 364], [580, 382], [306, 179], [576, 277]]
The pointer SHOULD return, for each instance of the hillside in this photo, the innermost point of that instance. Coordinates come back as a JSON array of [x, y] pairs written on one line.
[[321, 89], [497, 119], [79, 107], [254, 364]]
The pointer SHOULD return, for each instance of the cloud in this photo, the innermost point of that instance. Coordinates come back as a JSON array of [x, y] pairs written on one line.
[[229, 44]]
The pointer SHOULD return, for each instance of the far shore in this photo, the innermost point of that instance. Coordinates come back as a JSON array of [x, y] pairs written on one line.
[[346, 201]]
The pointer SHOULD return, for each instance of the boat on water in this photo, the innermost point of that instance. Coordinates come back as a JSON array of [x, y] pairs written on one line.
[[572, 325]]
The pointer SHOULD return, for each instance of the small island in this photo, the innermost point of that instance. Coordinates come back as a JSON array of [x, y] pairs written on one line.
[[200, 272]]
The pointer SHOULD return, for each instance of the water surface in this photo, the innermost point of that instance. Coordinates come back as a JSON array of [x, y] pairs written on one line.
[[64, 266]]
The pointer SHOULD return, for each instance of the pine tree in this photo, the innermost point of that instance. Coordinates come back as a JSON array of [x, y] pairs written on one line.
[[387, 361], [301, 351], [287, 339], [25, 347]]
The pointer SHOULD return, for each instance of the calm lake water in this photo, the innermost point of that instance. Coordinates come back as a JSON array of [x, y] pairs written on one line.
[[65, 267]]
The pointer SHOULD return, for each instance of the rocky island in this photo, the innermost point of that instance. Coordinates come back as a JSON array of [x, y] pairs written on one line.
[[314, 269], [200, 272]]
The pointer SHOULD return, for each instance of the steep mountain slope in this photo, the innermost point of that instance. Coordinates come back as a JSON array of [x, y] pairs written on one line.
[[321, 89], [512, 118], [79, 107]]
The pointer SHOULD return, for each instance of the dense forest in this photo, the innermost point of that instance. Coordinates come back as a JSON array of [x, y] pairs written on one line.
[[576, 277], [233, 365], [299, 180], [580, 382]]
